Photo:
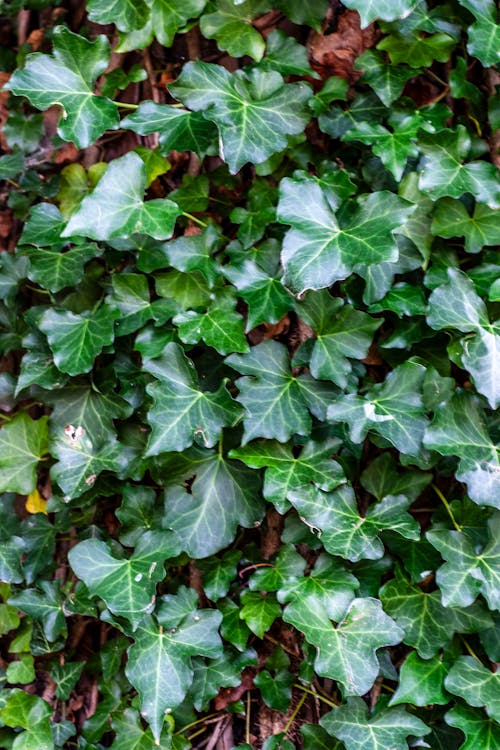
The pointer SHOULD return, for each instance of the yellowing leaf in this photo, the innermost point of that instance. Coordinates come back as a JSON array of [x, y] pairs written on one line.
[[35, 503]]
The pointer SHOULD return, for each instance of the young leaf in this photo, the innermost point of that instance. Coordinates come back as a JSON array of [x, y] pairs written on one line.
[[481, 733], [32, 714], [125, 15], [451, 219], [231, 26], [421, 682], [474, 683], [484, 34], [66, 78], [23, 442]]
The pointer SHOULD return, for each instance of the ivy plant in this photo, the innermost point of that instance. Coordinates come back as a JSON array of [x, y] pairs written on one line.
[[249, 341]]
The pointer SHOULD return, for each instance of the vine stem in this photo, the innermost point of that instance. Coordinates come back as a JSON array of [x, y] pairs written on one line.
[[447, 506], [127, 105], [193, 218], [195, 723], [247, 718], [320, 697], [294, 714]]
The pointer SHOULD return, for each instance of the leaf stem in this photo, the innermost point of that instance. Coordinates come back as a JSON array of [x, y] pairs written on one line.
[[470, 650], [195, 723], [127, 105], [247, 718], [447, 506], [315, 694], [193, 218], [294, 714]]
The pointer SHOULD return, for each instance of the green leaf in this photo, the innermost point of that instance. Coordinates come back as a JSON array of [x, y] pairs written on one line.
[[178, 129], [194, 253], [220, 326], [481, 733], [127, 586], [387, 728], [131, 298], [288, 471], [211, 676], [76, 340], [125, 15], [218, 572], [284, 54], [393, 409], [342, 333], [310, 12], [11, 550], [21, 672], [45, 605], [319, 250], [467, 571], [254, 112], [386, 80], [222, 494], [444, 173], [451, 219], [459, 429], [54, 269], [385, 477], [259, 611], [137, 513], [66, 78], [170, 16], [386, 10], [474, 683], [421, 682], [342, 530], [231, 26], [159, 661], [130, 733], [484, 34], [32, 714], [66, 676], [276, 402], [115, 208], [23, 443], [181, 411], [426, 623], [346, 653], [417, 49]]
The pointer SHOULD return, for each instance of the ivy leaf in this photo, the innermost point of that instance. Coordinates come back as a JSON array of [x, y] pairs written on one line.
[[427, 624], [444, 173], [218, 572], [481, 733], [451, 219], [178, 129], [137, 514], [169, 16], [159, 661], [127, 586], [288, 471], [11, 550], [32, 714], [386, 10], [474, 683], [181, 411], [125, 15], [386, 80], [467, 572], [387, 728], [393, 409], [220, 326], [231, 26], [259, 611], [286, 55], [346, 653], [343, 531], [456, 305], [276, 403], [253, 111], [310, 12], [131, 298], [221, 489], [53, 269], [45, 605], [23, 443], [384, 477], [365, 107], [342, 332], [484, 34], [76, 340], [418, 49], [319, 250], [211, 676], [115, 207], [194, 253], [130, 733], [421, 682], [66, 78], [459, 429]]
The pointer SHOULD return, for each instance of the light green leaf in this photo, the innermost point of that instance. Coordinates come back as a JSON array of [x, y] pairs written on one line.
[[386, 10], [342, 333], [220, 326], [115, 207], [342, 530], [54, 269], [159, 661], [484, 34], [288, 471], [318, 250], [170, 16], [222, 495], [22, 671], [451, 219], [346, 653], [444, 172], [388, 728], [126, 15], [469, 570], [32, 714], [23, 443], [178, 128], [183, 413], [481, 733], [421, 682], [418, 49], [386, 80], [459, 429], [231, 26], [66, 78], [127, 586], [259, 611], [253, 111], [194, 253], [76, 340], [130, 733], [286, 55], [426, 623], [477, 685]]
